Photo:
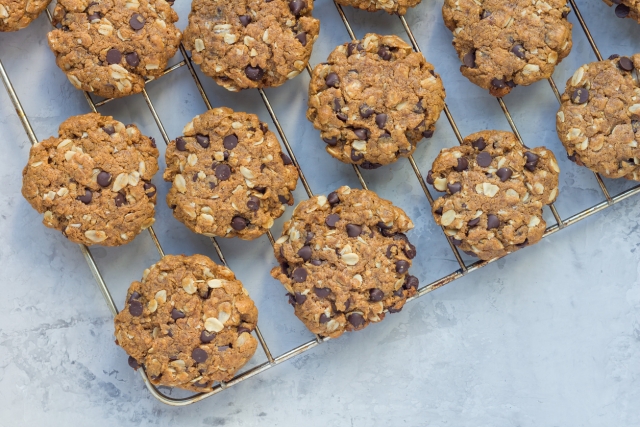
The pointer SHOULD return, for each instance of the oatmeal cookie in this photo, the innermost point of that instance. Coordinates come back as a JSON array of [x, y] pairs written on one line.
[[599, 117], [93, 182], [626, 8], [374, 100], [496, 188], [229, 176], [390, 6], [251, 43], [110, 47], [344, 259], [507, 43], [18, 14], [188, 323]]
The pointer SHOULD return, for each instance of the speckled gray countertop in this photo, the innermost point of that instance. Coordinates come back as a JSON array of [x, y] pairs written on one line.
[[549, 336]]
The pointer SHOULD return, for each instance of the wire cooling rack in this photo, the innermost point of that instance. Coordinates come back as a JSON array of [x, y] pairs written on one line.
[[463, 269]]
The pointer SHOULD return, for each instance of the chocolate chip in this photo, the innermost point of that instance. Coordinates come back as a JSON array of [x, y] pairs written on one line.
[[455, 241], [356, 155], [376, 295], [430, 180], [353, 230], [109, 129], [120, 200], [332, 80], [153, 141], [324, 318], [300, 299], [242, 330], [347, 304], [133, 363], [409, 251], [463, 164], [203, 140], [518, 51], [86, 198], [473, 222], [356, 320], [532, 161], [230, 142], [438, 211], [479, 144], [332, 220], [580, 96], [181, 144], [309, 237], [484, 159], [322, 292], [207, 337], [135, 308], [245, 20], [454, 188], [292, 299], [369, 165], [296, 6], [299, 275], [614, 56], [223, 172], [381, 120], [622, 10], [353, 47], [114, 56], [361, 133], [104, 179], [95, 16], [485, 14], [395, 310], [504, 174], [333, 198], [136, 21], [199, 355], [302, 38], [342, 116], [566, 12], [305, 253], [134, 296], [497, 83], [384, 53], [427, 133], [510, 83], [492, 221], [132, 59], [254, 73], [390, 251], [238, 223], [523, 244], [469, 59], [625, 63], [283, 199], [253, 203], [316, 262], [402, 266], [177, 314], [411, 282]]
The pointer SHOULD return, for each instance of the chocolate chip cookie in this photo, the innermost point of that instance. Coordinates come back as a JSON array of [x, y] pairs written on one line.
[[626, 8], [390, 6], [230, 178], [503, 44], [344, 259], [188, 323], [599, 117], [17, 14], [374, 100], [251, 43], [496, 188], [93, 182], [110, 47]]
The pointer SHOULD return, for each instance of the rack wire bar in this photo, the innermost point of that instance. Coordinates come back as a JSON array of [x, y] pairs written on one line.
[[273, 361]]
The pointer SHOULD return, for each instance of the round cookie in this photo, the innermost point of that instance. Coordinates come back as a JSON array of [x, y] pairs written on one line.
[[110, 48], [374, 100], [93, 182], [626, 8], [496, 188], [188, 323], [390, 6], [230, 178], [599, 117], [344, 259], [18, 14], [251, 43], [504, 44]]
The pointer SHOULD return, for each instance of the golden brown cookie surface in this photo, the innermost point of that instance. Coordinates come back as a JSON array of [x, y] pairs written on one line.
[[390, 6], [18, 14]]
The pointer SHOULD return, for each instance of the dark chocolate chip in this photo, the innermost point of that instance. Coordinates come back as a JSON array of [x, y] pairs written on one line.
[[622, 10], [309, 237], [321, 292], [427, 133], [485, 14], [134, 296], [504, 174], [95, 16], [438, 211], [254, 73], [177, 314], [283, 199], [199, 355], [368, 165], [497, 83], [324, 318], [223, 172], [114, 56], [473, 222], [333, 198], [430, 177], [253, 203], [316, 262], [376, 295], [492, 221], [463, 164], [518, 51], [137, 21], [469, 59], [305, 253], [296, 6], [479, 144], [332, 220], [390, 251], [245, 20], [409, 251], [133, 363], [242, 330], [207, 337], [302, 38], [361, 133], [342, 117], [395, 310], [356, 155], [356, 319], [484, 159], [347, 304], [454, 188], [532, 161], [353, 230], [109, 129], [332, 80], [614, 56], [455, 241], [104, 179], [135, 308], [286, 159], [366, 111], [411, 282], [384, 53], [230, 142], [580, 96], [402, 266], [181, 144], [299, 275], [353, 47], [120, 200], [86, 198], [203, 140], [132, 59], [153, 141], [625, 63], [238, 223], [381, 120], [300, 299]]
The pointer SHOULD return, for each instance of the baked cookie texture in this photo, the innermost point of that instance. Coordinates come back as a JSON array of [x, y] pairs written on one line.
[[110, 47], [390, 6], [187, 323], [93, 181], [230, 177], [374, 100], [344, 260], [251, 43], [18, 14], [626, 8], [507, 43], [599, 117], [495, 191]]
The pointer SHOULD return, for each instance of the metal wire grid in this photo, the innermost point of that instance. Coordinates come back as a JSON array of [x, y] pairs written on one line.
[[271, 360]]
